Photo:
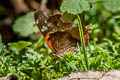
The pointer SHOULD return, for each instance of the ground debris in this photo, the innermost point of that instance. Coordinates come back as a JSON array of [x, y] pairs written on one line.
[[10, 76], [92, 75]]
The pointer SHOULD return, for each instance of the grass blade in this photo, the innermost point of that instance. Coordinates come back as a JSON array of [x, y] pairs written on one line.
[[83, 42]]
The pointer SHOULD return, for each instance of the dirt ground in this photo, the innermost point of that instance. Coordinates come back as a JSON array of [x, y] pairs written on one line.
[[93, 75], [83, 75]]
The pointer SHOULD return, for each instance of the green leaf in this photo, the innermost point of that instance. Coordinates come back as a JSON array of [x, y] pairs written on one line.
[[75, 6], [93, 1], [72, 65], [1, 44], [25, 25], [112, 5], [20, 45]]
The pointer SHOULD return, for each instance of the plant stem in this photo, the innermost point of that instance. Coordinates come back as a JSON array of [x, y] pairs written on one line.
[[39, 43], [83, 42], [81, 57]]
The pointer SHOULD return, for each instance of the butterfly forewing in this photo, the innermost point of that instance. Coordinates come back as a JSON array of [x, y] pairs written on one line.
[[41, 21]]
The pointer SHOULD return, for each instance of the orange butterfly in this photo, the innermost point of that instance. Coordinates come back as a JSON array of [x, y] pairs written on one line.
[[60, 36]]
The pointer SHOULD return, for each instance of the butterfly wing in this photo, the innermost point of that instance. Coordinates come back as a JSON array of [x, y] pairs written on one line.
[[41, 21], [74, 31], [60, 36]]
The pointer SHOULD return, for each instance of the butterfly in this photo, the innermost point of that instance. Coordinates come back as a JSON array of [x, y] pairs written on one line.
[[61, 36]]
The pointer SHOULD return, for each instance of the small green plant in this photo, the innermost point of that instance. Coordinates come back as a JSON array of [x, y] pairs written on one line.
[[1, 44], [83, 43]]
